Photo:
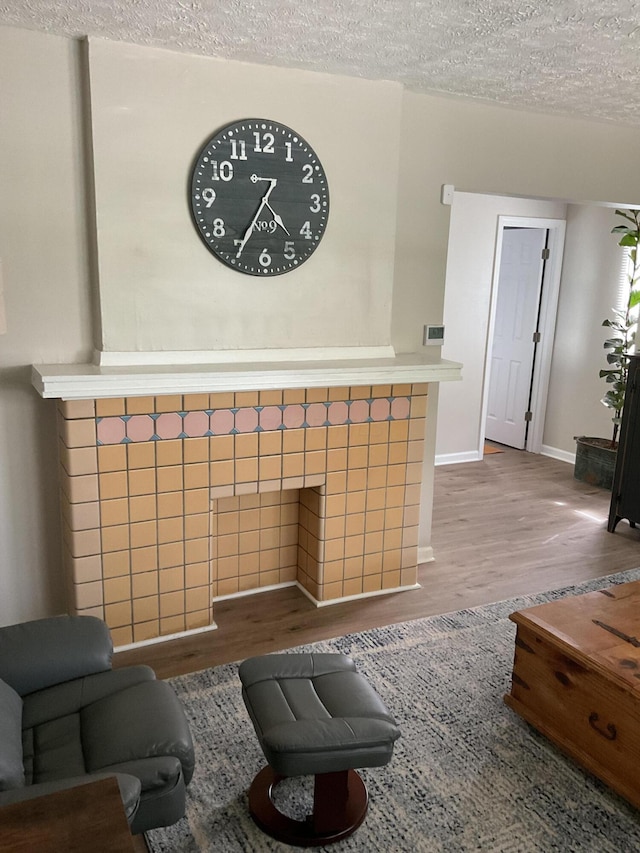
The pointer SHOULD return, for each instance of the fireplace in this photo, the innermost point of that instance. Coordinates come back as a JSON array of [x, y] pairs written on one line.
[[174, 501]]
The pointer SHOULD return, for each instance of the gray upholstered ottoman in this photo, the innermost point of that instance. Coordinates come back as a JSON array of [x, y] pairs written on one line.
[[315, 715]]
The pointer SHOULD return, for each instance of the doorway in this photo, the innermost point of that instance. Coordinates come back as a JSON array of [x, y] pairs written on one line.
[[515, 334], [524, 301]]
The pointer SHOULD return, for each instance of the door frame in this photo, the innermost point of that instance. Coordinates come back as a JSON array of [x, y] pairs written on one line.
[[548, 312]]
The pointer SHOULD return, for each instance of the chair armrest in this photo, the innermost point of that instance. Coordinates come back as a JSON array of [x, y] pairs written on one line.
[[129, 790], [35, 655]]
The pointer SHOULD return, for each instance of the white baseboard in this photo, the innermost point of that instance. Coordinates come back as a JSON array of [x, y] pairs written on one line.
[[560, 455], [455, 458], [425, 554]]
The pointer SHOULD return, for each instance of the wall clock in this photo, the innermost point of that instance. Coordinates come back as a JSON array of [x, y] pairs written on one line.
[[259, 197]]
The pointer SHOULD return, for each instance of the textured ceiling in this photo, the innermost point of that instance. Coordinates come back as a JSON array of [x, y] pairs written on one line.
[[556, 56]]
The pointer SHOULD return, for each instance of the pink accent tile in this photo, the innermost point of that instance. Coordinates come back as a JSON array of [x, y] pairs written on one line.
[[293, 416], [221, 422], [196, 424], [380, 410], [270, 417], [111, 430], [358, 411], [400, 408], [246, 420], [337, 413], [316, 414], [169, 425], [140, 428]]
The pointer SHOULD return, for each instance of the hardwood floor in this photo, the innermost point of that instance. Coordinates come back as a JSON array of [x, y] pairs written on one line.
[[512, 524]]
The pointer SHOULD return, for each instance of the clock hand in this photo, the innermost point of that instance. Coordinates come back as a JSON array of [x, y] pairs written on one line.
[[265, 199], [278, 219]]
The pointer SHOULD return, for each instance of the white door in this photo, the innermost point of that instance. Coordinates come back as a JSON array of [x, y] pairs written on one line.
[[513, 348]]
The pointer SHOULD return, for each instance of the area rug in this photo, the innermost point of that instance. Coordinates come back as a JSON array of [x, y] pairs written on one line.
[[467, 774]]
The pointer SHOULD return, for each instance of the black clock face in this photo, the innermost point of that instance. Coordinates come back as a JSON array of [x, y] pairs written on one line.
[[259, 197]]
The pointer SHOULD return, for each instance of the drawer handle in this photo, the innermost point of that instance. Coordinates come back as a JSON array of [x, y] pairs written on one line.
[[611, 732]]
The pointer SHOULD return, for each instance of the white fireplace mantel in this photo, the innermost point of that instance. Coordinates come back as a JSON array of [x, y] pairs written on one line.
[[97, 381]]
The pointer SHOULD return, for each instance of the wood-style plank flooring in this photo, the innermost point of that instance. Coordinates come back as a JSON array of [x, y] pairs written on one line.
[[512, 524]]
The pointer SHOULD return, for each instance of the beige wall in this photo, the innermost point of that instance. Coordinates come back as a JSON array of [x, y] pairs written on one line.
[[160, 288], [43, 239], [42, 247], [590, 288]]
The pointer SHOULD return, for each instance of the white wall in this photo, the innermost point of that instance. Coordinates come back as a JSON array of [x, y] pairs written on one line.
[[470, 265], [160, 288]]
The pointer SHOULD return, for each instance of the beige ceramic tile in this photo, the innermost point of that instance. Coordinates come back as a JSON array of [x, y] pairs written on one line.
[[110, 407], [198, 619], [169, 504], [143, 482], [171, 580], [196, 501], [293, 395], [115, 538], [222, 401], [139, 405], [142, 455], [78, 433], [86, 569], [144, 559], [144, 584], [118, 615], [170, 555], [79, 461], [112, 457], [168, 452], [117, 589], [353, 586], [169, 478], [196, 450], [292, 441], [169, 403], [77, 408], [146, 631], [116, 564], [195, 402], [116, 511], [145, 609], [197, 574], [196, 476]]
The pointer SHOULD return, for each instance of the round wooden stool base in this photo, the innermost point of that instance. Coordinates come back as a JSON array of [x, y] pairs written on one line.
[[339, 806]]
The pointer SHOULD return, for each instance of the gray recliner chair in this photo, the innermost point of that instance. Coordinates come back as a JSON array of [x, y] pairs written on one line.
[[67, 718]]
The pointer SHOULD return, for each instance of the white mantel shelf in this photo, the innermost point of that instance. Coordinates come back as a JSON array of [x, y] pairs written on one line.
[[91, 381]]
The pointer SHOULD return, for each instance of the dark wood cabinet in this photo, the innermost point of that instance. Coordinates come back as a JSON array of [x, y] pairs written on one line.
[[625, 492]]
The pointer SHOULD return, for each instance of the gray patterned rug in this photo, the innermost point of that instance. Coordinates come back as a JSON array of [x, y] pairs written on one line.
[[467, 774]]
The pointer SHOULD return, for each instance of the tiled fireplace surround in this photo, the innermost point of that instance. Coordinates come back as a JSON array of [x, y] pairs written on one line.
[[170, 502]]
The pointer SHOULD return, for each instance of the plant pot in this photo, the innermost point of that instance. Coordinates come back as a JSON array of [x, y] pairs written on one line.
[[595, 461]]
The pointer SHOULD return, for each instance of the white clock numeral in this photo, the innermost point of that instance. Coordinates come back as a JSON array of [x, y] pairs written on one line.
[[222, 172], [264, 143], [265, 258], [238, 149], [289, 157], [306, 231], [209, 195], [307, 178], [289, 250], [218, 228], [315, 207]]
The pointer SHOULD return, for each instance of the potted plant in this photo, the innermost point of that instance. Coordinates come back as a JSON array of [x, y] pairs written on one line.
[[596, 457]]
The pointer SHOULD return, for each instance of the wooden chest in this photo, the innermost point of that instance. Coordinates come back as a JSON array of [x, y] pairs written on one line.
[[576, 678]]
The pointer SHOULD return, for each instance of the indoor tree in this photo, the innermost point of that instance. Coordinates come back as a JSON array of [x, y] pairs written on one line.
[[624, 322]]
